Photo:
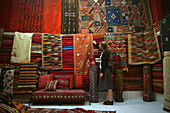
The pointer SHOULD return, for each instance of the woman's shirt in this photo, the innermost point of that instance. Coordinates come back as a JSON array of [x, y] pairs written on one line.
[[104, 60]]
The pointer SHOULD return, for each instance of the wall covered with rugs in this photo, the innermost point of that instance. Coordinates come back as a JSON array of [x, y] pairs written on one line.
[[53, 33]]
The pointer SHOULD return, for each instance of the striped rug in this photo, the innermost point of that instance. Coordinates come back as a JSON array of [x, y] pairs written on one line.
[[28, 76]]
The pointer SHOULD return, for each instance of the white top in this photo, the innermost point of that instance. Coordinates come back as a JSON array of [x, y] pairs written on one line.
[[101, 60]]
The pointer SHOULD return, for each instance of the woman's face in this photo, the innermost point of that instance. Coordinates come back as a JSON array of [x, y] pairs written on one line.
[[100, 46]]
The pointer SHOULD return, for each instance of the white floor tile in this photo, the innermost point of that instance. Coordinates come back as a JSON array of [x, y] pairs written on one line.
[[128, 106]]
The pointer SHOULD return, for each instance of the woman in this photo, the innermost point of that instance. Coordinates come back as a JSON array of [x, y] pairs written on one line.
[[105, 80]]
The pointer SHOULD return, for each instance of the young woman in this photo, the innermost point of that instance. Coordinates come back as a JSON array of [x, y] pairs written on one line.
[[105, 80]]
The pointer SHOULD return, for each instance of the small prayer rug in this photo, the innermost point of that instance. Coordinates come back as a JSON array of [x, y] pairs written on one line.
[[51, 51], [83, 49], [143, 49], [69, 17]]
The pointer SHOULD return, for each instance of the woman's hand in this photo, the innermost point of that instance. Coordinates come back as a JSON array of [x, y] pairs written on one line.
[[101, 75], [94, 42]]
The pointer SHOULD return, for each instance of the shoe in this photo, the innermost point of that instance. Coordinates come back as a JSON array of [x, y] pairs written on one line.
[[167, 110], [105, 101], [108, 102]]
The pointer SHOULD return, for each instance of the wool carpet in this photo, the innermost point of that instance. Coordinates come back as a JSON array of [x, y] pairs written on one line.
[[83, 49], [143, 49], [76, 110], [69, 23], [166, 75], [118, 46], [51, 51]]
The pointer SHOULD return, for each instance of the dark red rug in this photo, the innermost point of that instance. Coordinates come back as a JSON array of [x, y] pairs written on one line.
[[76, 110]]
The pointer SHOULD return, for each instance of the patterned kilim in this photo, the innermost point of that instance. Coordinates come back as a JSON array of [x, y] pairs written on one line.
[[6, 48], [92, 16], [31, 15], [143, 49], [69, 17], [28, 76], [147, 83], [76, 110], [8, 81], [93, 83], [133, 79], [118, 85], [68, 60], [36, 49], [118, 46], [102, 16], [8, 109], [51, 51], [157, 77], [83, 49], [1, 35]]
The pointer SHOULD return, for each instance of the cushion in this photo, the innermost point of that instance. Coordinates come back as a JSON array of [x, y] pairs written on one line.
[[63, 82], [51, 85], [43, 79]]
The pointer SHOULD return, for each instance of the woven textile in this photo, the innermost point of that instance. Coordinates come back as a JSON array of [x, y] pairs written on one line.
[[157, 77], [51, 85], [147, 83], [93, 83], [92, 17], [8, 82], [28, 76], [43, 79], [1, 35], [8, 109], [102, 16], [69, 17], [133, 79], [30, 15], [76, 110], [59, 94], [21, 50], [52, 51], [118, 46], [166, 76], [68, 59], [19, 106], [83, 49], [36, 49], [118, 85], [143, 49], [63, 82]]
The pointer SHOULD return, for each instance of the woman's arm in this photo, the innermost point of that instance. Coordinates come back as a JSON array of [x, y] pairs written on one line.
[[105, 59]]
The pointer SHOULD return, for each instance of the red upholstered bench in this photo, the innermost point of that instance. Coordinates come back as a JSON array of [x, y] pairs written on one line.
[[66, 90], [60, 95]]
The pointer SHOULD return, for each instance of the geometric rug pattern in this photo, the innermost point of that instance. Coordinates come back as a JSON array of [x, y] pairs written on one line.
[[118, 46], [52, 51], [143, 48], [103, 16]]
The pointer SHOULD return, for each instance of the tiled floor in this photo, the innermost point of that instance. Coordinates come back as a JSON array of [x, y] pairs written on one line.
[[128, 106]]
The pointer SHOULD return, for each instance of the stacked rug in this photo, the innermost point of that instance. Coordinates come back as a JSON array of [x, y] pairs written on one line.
[[166, 74]]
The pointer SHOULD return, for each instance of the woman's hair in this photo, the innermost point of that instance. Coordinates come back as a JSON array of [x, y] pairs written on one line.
[[105, 46]]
